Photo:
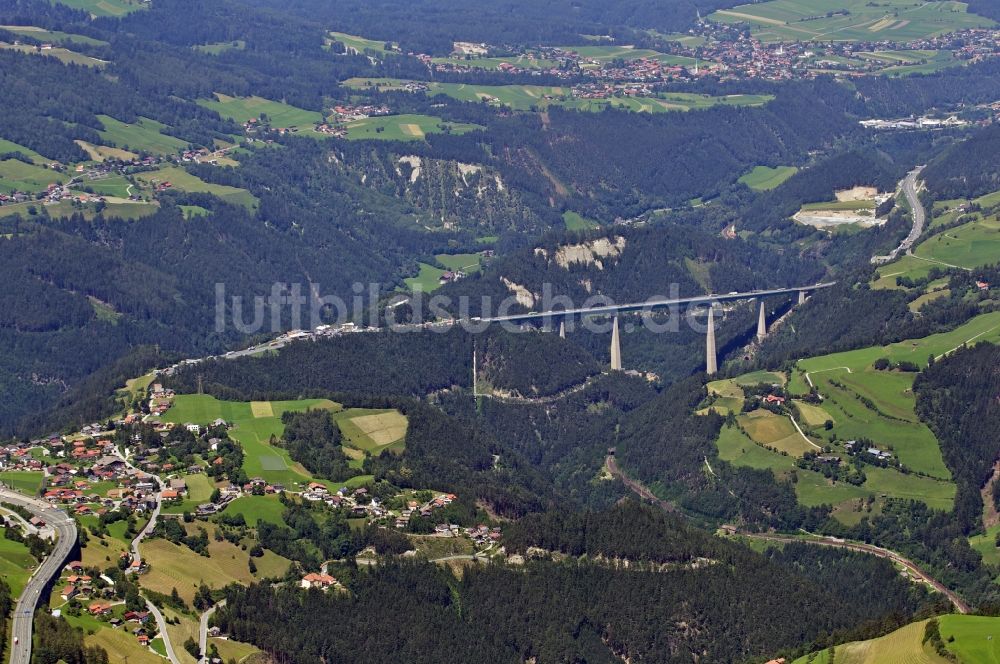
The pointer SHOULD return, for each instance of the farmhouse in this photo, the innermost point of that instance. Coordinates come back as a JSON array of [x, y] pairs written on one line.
[[322, 581]]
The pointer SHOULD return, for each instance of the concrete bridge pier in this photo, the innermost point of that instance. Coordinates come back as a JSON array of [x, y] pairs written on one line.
[[562, 328], [711, 361], [761, 323], [616, 346], [802, 297]]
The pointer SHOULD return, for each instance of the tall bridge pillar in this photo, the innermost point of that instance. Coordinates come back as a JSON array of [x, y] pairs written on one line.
[[802, 297], [761, 323], [710, 357], [562, 328], [616, 345]]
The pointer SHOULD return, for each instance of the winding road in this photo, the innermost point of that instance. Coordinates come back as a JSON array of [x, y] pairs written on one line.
[[203, 630], [50, 568]]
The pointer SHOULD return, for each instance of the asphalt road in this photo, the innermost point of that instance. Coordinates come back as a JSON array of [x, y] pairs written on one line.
[[203, 630], [919, 219], [161, 625], [24, 612]]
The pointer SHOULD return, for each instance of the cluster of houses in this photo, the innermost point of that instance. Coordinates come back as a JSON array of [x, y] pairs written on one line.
[[856, 447], [160, 399], [99, 603], [425, 510], [349, 113]]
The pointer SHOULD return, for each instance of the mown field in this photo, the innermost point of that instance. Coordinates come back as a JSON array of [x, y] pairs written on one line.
[[16, 175], [859, 402], [406, 127], [428, 279], [122, 647], [765, 178], [968, 639], [173, 566], [255, 422], [242, 109], [528, 97], [25, 481], [9, 146], [64, 55], [575, 222], [55, 36], [106, 7], [16, 564], [184, 181], [851, 20], [142, 136]]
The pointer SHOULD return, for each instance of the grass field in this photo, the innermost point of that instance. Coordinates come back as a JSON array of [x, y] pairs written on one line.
[[114, 185], [893, 422], [575, 222], [253, 433], [55, 36], [221, 47], [970, 639], [25, 481], [775, 431], [372, 430], [61, 54], [199, 490], [765, 178], [121, 646], [184, 181], [103, 152], [254, 508], [101, 553], [241, 109], [142, 136], [15, 175], [429, 276], [9, 146], [527, 97], [604, 54], [851, 20], [105, 7], [986, 545], [358, 44], [16, 564], [406, 127], [174, 566]]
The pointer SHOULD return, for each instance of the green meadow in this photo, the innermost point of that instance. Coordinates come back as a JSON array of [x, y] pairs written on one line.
[[605, 54], [55, 36], [253, 424], [359, 44], [221, 47], [860, 402], [851, 20], [242, 109], [64, 55], [142, 136], [114, 185], [16, 564], [429, 277], [575, 222], [184, 181], [15, 175], [25, 481], [765, 178], [105, 7], [968, 639], [254, 508], [528, 97], [9, 146], [406, 127]]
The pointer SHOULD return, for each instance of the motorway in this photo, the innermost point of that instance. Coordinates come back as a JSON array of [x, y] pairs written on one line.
[[65, 529], [919, 219]]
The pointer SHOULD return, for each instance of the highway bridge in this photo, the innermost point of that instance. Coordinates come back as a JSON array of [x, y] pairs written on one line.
[[613, 310], [65, 531]]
